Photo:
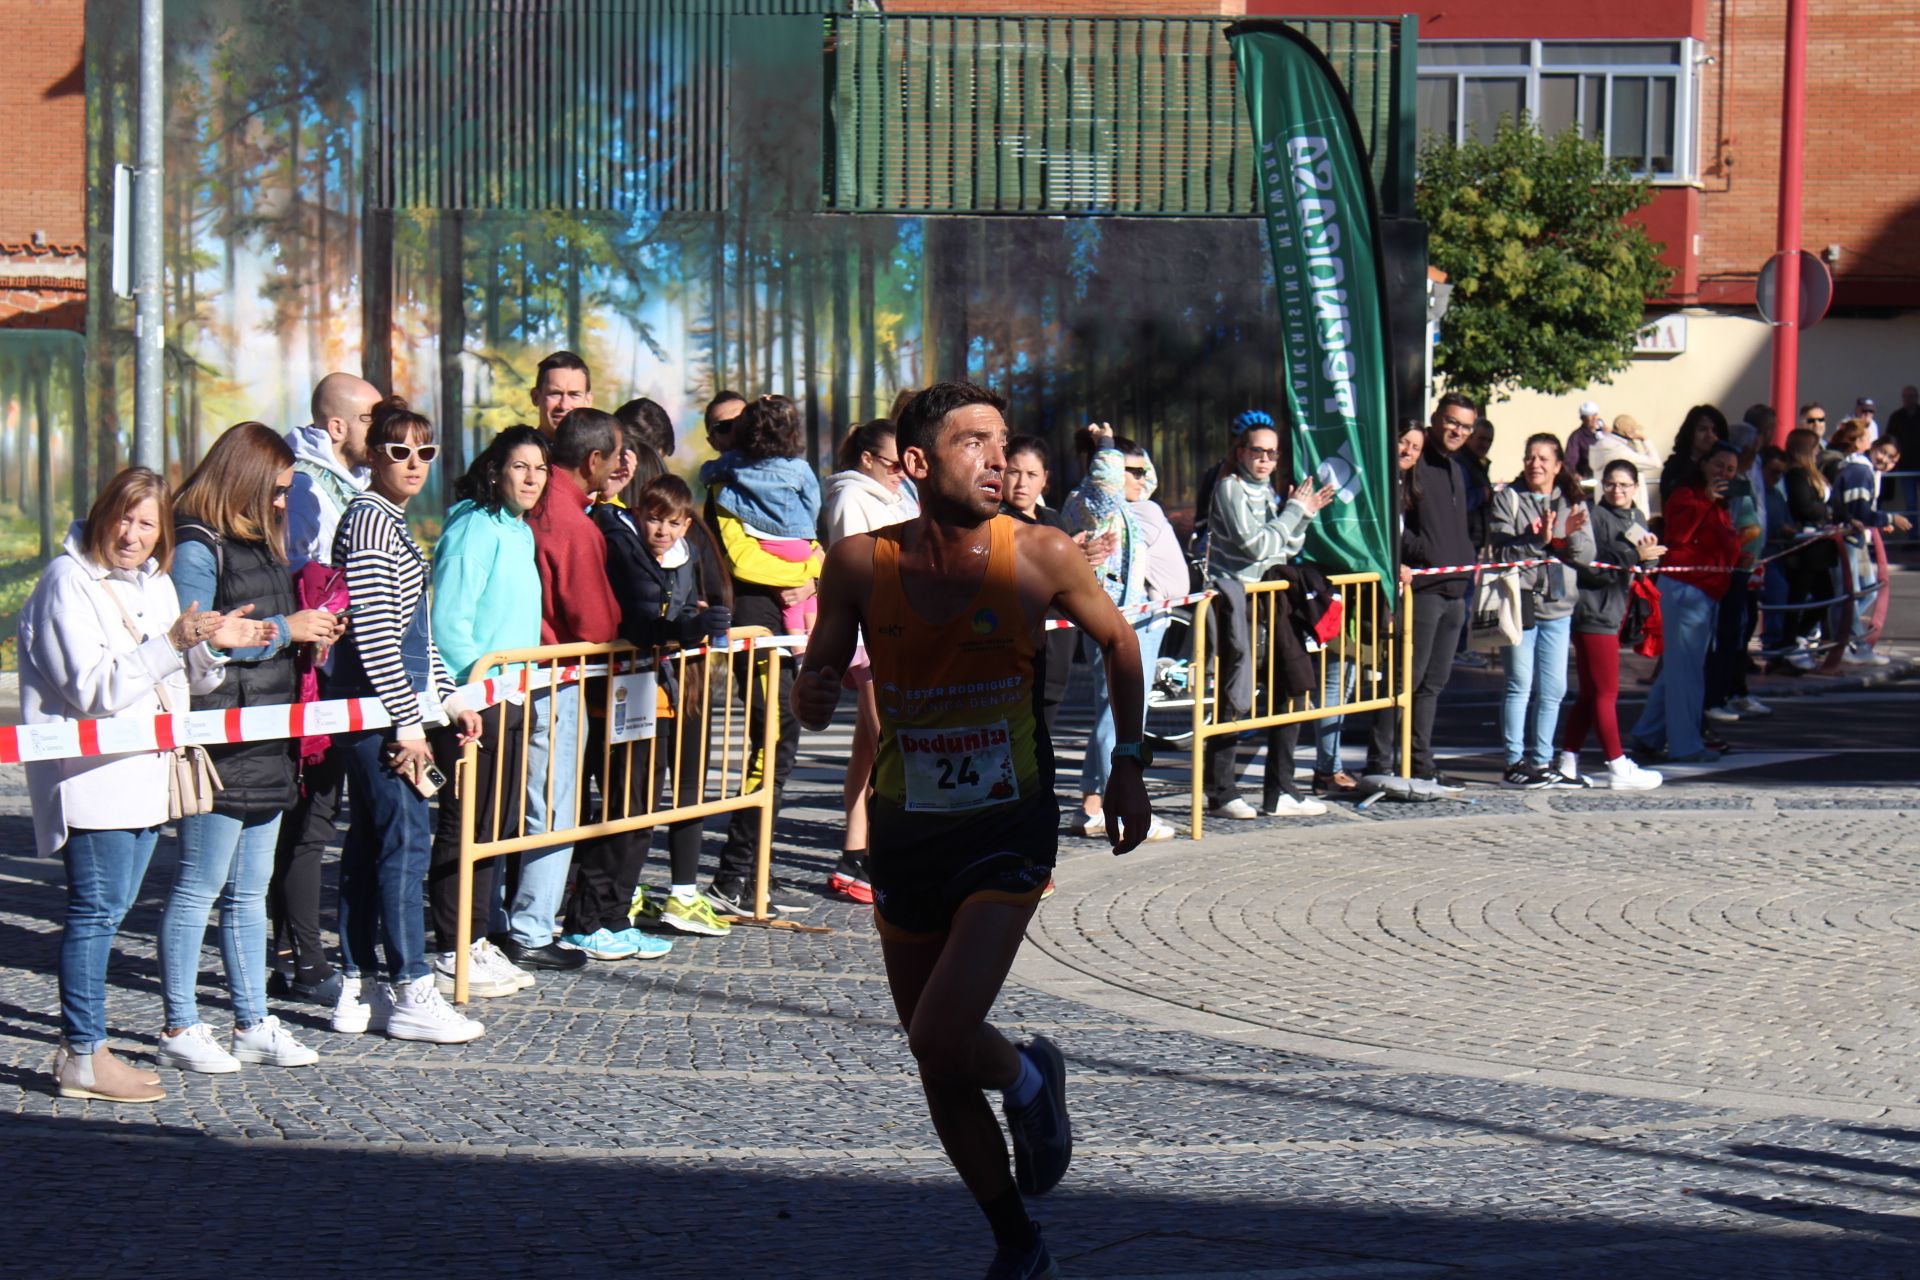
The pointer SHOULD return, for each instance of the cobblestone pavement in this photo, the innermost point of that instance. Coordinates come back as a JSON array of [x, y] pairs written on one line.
[[1570, 1035]]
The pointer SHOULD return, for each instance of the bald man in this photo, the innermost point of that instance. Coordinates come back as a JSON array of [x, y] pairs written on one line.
[[330, 464]]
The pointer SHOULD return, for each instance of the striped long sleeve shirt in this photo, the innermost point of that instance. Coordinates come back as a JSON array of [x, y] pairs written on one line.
[[386, 579]]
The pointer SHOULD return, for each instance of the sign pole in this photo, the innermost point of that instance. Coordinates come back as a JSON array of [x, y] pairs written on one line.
[[1793, 127]]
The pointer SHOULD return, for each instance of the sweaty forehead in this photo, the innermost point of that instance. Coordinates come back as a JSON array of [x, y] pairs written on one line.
[[972, 421]]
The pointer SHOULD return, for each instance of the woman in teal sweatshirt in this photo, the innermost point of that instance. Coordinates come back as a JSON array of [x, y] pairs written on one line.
[[486, 598]]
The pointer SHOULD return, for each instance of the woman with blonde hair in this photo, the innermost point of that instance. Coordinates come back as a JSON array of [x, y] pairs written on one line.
[[230, 520], [103, 634]]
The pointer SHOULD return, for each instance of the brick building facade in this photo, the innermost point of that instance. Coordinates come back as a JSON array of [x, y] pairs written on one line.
[[43, 201]]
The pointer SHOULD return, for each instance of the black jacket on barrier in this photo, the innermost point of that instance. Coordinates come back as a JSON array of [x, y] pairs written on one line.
[[1435, 532], [1298, 611]]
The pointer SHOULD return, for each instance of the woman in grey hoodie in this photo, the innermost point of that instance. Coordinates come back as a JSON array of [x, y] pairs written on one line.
[[1619, 538], [1542, 515]]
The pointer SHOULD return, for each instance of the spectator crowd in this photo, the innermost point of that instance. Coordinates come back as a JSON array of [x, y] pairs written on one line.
[[284, 569]]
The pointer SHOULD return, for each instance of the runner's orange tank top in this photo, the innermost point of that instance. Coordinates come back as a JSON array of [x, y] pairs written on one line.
[[957, 728]]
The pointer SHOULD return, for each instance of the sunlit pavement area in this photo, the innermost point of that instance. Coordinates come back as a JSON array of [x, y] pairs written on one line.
[[1537, 1034]]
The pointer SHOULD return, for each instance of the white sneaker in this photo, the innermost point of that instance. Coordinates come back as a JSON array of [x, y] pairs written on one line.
[[271, 1045], [1289, 807], [482, 982], [1750, 706], [1568, 765], [1624, 775], [1237, 809], [1861, 655], [496, 963], [353, 1015], [1803, 658], [1158, 831], [421, 1013], [1724, 715], [1091, 825], [195, 1049]]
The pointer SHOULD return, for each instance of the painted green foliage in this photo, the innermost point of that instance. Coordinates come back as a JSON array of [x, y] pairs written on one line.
[[1550, 275]]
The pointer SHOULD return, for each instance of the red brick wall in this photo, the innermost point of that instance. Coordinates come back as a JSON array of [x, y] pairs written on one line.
[[1142, 8], [1861, 184], [43, 143], [43, 121]]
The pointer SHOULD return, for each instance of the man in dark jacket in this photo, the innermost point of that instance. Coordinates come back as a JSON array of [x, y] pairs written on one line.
[[1434, 535]]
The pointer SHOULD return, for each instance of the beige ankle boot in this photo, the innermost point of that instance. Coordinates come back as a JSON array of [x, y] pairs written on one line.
[[101, 1075], [141, 1074]]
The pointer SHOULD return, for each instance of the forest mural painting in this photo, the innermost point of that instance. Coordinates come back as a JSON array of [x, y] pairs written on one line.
[[276, 256]]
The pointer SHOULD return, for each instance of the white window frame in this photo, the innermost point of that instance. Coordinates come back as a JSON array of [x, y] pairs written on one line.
[[1684, 75]]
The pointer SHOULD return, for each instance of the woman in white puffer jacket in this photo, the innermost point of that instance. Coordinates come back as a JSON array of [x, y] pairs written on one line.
[[103, 634], [867, 493]]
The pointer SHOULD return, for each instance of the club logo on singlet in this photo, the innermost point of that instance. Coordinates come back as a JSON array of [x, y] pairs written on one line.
[[984, 622]]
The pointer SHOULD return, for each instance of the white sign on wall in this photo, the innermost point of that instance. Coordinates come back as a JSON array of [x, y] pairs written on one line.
[[1666, 336]]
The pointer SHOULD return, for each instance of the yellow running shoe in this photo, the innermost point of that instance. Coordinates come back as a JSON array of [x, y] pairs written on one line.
[[694, 916]]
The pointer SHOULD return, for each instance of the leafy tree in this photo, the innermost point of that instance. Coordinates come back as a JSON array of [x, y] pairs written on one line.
[[1550, 278]]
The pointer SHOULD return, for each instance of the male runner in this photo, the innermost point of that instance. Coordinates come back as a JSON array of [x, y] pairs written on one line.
[[964, 821]]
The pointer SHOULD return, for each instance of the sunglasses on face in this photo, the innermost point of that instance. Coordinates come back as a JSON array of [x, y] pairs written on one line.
[[403, 452], [1139, 473], [1261, 455], [1816, 417], [281, 490], [891, 464]]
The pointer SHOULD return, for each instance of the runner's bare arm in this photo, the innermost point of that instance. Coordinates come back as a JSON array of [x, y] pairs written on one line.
[[1078, 595], [845, 582]]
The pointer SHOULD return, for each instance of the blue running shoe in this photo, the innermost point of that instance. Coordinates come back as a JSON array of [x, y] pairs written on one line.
[[646, 946], [1042, 1135], [1031, 1263], [601, 944]]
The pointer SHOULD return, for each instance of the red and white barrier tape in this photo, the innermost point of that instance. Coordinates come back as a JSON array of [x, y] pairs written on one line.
[[1630, 568], [1142, 610]]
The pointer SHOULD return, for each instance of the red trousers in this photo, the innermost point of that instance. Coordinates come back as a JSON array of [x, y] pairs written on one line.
[[1597, 659]]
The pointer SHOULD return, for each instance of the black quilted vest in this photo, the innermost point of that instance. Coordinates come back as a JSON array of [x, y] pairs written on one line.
[[255, 777]]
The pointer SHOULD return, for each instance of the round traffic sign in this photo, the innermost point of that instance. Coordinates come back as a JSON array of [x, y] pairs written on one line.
[[1816, 289]]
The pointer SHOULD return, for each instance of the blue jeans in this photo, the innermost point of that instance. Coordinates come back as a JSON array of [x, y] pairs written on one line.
[[1326, 733], [1773, 596], [1537, 675], [229, 859], [1672, 714], [535, 907], [1098, 764], [383, 865], [104, 871], [1866, 581]]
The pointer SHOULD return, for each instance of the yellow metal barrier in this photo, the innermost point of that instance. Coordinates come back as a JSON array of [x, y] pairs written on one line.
[[705, 695], [1369, 643]]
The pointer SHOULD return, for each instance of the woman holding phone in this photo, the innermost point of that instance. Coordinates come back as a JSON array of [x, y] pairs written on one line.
[[390, 653]]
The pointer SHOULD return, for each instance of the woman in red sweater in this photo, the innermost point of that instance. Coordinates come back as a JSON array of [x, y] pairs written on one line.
[[1700, 542]]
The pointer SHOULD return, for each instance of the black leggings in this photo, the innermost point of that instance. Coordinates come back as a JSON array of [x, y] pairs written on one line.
[[293, 896], [499, 748]]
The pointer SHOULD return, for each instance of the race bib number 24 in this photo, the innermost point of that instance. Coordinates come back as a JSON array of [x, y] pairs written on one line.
[[951, 770]]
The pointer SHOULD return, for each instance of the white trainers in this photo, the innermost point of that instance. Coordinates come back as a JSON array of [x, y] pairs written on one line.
[[271, 1045], [1091, 825], [1289, 807], [420, 1012], [497, 964], [1750, 706], [353, 1015], [1237, 809], [483, 983], [1862, 655], [1722, 714], [195, 1049], [1624, 775], [1568, 764]]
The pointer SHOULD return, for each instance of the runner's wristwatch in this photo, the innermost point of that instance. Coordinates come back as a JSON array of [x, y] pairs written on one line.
[[1138, 752]]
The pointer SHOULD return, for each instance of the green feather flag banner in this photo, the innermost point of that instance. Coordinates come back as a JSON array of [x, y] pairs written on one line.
[[1319, 204]]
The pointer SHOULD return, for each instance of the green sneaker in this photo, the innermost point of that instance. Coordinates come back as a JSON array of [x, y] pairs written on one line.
[[693, 917], [645, 908]]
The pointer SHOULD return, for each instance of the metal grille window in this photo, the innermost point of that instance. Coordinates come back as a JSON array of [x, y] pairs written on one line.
[[1139, 116], [1635, 96], [577, 105]]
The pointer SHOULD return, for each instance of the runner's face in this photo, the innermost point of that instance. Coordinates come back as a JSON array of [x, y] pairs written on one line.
[[966, 471], [1026, 481]]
